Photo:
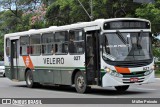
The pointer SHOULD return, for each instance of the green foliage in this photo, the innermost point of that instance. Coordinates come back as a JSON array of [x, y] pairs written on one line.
[[152, 13], [156, 52], [9, 22], [63, 12], [22, 15], [59, 12]]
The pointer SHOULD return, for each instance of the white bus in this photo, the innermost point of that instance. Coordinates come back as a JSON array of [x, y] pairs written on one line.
[[106, 52]]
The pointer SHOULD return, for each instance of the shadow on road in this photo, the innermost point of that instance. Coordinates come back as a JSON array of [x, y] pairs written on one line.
[[93, 91], [2, 77]]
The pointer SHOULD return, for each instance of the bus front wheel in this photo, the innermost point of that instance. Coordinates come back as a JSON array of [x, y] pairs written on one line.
[[29, 79], [121, 88], [80, 83], [4, 75]]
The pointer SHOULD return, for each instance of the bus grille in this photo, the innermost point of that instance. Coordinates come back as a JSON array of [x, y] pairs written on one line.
[[128, 76], [135, 74]]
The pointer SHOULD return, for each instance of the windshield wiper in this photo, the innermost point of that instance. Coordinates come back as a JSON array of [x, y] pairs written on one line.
[[139, 39], [121, 37]]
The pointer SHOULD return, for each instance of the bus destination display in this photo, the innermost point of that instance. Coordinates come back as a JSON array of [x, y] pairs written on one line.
[[126, 25]]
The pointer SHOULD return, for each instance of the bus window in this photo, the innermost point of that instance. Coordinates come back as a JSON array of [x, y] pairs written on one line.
[[35, 44], [76, 42], [24, 45], [61, 39], [47, 43], [8, 47]]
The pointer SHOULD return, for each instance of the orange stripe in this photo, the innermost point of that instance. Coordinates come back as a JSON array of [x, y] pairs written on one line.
[[28, 62], [122, 70]]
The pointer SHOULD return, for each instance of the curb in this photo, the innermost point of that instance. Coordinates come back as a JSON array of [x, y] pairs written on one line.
[[158, 78]]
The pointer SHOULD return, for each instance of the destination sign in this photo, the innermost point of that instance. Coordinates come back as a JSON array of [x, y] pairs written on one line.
[[126, 24]]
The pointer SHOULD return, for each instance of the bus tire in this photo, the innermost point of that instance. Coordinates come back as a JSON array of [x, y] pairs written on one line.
[[4, 75], [30, 80], [80, 83], [121, 88]]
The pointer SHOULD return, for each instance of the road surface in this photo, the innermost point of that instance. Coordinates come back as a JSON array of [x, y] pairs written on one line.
[[11, 89]]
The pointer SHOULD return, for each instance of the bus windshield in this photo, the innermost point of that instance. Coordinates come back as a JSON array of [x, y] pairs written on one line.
[[120, 46]]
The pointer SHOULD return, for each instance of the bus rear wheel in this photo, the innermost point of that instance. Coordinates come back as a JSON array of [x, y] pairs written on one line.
[[122, 88], [29, 79], [80, 83]]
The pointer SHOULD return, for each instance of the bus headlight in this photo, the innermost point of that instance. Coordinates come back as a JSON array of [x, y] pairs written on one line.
[[116, 74], [148, 72], [108, 70], [113, 73]]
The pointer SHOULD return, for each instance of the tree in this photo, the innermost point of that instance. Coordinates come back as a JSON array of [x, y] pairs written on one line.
[[152, 13], [58, 13], [16, 16], [62, 12], [9, 22]]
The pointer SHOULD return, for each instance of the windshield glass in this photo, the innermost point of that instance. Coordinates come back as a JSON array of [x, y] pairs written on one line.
[[126, 46]]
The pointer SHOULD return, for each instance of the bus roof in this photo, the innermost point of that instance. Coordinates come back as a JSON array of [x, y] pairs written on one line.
[[79, 25]]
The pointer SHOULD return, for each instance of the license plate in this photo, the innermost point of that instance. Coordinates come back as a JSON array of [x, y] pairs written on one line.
[[134, 79]]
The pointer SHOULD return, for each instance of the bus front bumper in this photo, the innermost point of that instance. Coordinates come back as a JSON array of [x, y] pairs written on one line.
[[108, 80]]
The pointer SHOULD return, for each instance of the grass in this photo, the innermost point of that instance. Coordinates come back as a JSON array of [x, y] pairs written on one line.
[[157, 73], [157, 70]]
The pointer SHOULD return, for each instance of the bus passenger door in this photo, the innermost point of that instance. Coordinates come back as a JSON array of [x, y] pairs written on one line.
[[92, 58], [14, 59]]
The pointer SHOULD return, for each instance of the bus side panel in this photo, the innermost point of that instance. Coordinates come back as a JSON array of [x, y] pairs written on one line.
[[21, 69], [8, 72], [48, 71], [57, 77], [36, 76], [43, 76], [66, 77], [52, 76], [47, 76], [21, 74]]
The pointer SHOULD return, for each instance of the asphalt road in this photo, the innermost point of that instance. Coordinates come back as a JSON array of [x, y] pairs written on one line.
[[10, 89]]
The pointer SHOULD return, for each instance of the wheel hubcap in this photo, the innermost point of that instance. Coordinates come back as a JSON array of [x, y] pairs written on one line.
[[29, 79], [80, 82]]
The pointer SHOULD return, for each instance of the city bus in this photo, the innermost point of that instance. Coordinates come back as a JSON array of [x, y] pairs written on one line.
[[113, 52]]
